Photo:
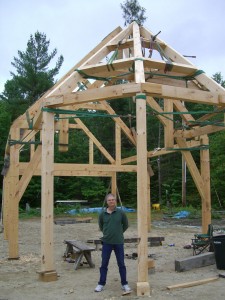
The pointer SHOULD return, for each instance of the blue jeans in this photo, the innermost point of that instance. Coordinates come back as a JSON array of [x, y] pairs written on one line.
[[106, 253]]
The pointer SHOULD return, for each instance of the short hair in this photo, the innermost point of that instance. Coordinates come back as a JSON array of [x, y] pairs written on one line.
[[109, 195]]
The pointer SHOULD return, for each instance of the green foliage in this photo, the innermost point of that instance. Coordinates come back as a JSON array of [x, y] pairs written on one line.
[[219, 79], [33, 76], [132, 11], [5, 121]]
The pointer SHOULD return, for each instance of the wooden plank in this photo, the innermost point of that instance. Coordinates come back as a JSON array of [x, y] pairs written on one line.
[[192, 262], [192, 283]]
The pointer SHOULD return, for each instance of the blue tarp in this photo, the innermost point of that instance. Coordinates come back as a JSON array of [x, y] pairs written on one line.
[[181, 214], [96, 209]]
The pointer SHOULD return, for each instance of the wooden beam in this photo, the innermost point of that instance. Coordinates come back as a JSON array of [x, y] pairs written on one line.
[[178, 93], [192, 167], [193, 262], [63, 135], [143, 287], [69, 81], [160, 152], [205, 174], [28, 173], [118, 144], [91, 152], [188, 134], [169, 125], [12, 215], [96, 142], [61, 169], [179, 106], [192, 283], [120, 122], [93, 95], [47, 199]]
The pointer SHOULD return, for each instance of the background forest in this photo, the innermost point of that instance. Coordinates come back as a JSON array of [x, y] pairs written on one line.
[[33, 76]]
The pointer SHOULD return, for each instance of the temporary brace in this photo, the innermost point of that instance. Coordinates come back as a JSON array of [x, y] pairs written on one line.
[[76, 114], [202, 147]]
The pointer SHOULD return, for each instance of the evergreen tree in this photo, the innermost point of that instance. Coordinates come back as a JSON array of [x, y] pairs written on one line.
[[132, 11], [33, 76], [219, 79]]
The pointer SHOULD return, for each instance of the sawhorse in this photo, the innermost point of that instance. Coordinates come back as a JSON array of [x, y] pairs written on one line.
[[78, 249]]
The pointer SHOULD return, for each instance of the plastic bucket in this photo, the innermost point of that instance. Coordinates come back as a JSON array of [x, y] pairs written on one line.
[[219, 250]]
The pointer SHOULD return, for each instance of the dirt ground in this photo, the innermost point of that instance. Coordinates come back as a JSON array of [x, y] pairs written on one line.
[[19, 280]]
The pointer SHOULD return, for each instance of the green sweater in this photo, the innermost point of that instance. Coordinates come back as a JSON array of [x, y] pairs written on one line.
[[113, 226]]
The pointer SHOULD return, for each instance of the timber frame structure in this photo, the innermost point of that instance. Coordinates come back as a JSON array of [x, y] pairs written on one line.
[[90, 85]]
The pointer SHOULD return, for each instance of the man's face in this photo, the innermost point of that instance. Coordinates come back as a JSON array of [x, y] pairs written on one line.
[[111, 202]]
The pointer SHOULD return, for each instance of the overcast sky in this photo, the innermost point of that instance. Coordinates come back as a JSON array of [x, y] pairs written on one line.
[[75, 27]]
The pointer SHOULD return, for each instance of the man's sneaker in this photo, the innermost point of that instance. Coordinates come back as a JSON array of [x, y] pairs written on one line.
[[126, 288], [99, 288]]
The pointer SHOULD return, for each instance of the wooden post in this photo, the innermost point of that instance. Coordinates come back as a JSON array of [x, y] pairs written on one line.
[[143, 288], [169, 126], [63, 135], [91, 152], [12, 213], [142, 195], [48, 272], [149, 204], [114, 184], [205, 173]]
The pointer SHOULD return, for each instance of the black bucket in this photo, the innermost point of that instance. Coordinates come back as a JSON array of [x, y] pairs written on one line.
[[219, 249]]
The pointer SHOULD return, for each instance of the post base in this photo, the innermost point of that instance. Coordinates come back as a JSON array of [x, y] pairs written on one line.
[[143, 289], [47, 276]]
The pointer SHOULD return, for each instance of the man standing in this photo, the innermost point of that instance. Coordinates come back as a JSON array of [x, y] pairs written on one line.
[[113, 223]]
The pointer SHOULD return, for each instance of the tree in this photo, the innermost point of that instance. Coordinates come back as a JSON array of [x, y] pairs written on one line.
[[132, 11], [219, 79], [33, 76]]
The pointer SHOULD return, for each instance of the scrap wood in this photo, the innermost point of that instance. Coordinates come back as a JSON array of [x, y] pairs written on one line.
[[192, 283]]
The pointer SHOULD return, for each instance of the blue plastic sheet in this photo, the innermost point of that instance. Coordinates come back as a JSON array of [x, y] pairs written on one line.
[[96, 209], [181, 214]]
